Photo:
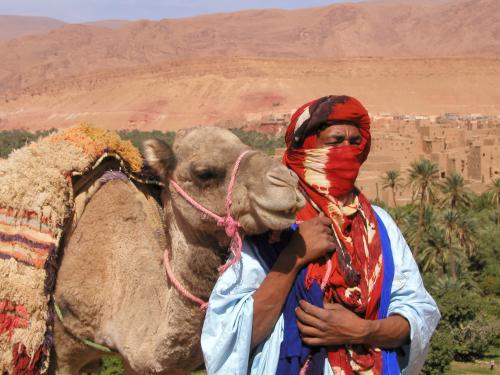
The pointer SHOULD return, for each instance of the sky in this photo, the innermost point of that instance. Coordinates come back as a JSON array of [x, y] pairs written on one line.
[[91, 10]]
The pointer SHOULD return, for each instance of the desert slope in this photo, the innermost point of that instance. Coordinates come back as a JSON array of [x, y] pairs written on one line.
[[17, 26], [466, 28], [110, 24], [227, 91]]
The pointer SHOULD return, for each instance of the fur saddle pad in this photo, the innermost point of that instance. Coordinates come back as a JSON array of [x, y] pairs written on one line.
[[36, 203]]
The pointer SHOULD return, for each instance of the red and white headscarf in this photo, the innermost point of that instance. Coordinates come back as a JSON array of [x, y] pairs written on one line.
[[326, 173]]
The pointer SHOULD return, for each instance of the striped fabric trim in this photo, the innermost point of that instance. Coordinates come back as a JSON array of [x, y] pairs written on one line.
[[12, 316], [8, 234], [24, 257], [25, 214], [25, 238], [31, 223], [28, 240]]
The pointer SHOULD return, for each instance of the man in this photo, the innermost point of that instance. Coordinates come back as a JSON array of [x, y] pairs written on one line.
[[305, 304]]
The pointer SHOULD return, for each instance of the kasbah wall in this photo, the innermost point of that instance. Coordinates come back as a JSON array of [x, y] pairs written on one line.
[[467, 144]]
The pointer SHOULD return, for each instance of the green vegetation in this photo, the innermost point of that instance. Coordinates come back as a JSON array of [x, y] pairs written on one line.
[[111, 366], [477, 367], [260, 141], [12, 139], [455, 237], [393, 180]]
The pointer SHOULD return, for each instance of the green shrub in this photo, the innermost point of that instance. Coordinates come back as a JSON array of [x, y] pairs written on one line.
[[259, 141], [490, 285], [457, 307], [110, 366], [473, 339], [13, 139], [441, 351]]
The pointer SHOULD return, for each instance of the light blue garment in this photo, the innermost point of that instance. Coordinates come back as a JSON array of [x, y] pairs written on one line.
[[227, 331]]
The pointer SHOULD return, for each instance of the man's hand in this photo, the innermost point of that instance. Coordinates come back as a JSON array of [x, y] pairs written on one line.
[[336, 325], [313, 240], [332, 325]]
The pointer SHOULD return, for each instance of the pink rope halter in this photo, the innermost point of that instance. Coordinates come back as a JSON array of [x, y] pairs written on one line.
[[231, 226]]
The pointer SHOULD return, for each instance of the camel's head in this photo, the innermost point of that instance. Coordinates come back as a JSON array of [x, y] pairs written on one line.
[[265, 194]]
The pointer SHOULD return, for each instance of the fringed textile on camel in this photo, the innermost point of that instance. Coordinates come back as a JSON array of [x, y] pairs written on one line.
[[36, 201]]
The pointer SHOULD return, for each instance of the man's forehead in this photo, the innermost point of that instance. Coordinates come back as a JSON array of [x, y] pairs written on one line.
[[342, 129]]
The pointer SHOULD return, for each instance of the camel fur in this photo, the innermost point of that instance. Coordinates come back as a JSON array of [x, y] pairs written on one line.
[[111, 285], [36, 200]]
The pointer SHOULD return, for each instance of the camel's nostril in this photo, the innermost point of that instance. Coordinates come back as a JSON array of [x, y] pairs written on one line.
[[300, 199], [282, 176]]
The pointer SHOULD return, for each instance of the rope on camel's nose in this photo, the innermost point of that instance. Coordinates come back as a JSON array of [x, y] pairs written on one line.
[[230, 225], [186, 293]]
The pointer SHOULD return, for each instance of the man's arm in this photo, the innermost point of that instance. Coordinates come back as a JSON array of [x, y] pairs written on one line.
[[336, 325], [269, 299], [313, 240], [410, 305]]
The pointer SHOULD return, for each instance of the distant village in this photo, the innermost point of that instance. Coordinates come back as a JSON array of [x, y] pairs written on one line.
[[468, 144]]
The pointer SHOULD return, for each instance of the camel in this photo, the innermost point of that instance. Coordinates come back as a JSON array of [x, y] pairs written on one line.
[[112, 287]]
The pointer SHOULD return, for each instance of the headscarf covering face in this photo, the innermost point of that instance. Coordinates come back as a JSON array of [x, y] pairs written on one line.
[[325, 174], [331, 170]]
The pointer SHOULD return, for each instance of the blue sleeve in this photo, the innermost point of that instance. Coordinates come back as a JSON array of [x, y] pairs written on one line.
[[227, 330], [410, 300]]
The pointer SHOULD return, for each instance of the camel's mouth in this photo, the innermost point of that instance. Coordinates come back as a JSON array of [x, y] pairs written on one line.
[[277, 220], [278, 214]]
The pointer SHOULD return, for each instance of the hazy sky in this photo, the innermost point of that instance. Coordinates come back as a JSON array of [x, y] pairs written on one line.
[[89, 10]]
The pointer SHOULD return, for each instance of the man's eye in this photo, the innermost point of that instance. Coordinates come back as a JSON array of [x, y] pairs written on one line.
[[337, 140], [355, 141]]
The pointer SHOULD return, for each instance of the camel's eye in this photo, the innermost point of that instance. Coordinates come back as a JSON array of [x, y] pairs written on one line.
[[207, 175]]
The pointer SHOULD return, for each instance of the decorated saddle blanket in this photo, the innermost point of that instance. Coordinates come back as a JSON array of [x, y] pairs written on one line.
[[37, 189]]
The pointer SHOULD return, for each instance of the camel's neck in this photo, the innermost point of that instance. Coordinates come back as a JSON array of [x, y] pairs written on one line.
[[193, 257], [194, 263]]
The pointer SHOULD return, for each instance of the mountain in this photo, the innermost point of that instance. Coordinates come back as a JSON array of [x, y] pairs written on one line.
[[405, 29], [110, 24], [17, 26], [228, 91]]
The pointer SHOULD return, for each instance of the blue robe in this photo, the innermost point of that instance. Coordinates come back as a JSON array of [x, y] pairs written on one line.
[[227, 331]]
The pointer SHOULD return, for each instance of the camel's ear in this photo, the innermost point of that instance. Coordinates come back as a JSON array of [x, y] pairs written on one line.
[[160, 157]]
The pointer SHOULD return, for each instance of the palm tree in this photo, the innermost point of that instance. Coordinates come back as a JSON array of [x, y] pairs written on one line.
[[494, 193], [450, 223], [465, 282], [410, 226], [397, 215], [434, 255], [392, 179], [455, 192], [423, 179], [437, 254], [467, 233]]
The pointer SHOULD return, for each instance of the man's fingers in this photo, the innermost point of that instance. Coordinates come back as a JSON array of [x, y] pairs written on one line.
[[313, 341], [308, 331], [331, 306], [312, 310], [332, 246], [325, 220], [307, 319]]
